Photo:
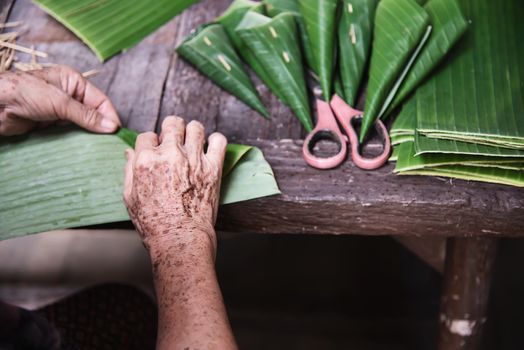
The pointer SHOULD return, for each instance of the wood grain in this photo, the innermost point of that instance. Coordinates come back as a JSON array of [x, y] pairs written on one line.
[[465, 295], [348, 200]]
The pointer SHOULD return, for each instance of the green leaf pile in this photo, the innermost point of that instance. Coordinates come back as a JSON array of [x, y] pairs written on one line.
[[467, 121]]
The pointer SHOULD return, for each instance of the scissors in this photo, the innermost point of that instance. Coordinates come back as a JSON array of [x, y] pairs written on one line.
[[328, 128]]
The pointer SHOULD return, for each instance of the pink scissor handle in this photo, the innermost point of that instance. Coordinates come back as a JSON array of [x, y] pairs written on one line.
[[345, 115], [326, 128]]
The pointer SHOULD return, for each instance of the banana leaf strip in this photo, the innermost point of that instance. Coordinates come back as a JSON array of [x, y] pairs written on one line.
[[449, 25], [408, 160], [320, 19], [230, 20], [401, 29], [275, 43], [211, 52], [491, 174], [63, 178], [478, 96], [354, 43], [109, 27], [276, 7]]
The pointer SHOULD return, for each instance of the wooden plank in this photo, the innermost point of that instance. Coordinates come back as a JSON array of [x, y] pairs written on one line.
[[465, 295], [348, 200], [5, 9]]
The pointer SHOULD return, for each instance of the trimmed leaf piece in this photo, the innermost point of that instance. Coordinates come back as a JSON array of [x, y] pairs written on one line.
[[354, 42], [276, 7], [449, 25], [211, 52], [230, 20], [64, 178], [478, 97], [251, 178], [401, 28], [425, 145], [234, 154], [275, 43], [320, 18], [109, 27], [408, 161]]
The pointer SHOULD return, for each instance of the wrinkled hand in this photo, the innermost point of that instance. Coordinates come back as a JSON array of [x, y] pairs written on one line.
[[28, 99], [172, 187]]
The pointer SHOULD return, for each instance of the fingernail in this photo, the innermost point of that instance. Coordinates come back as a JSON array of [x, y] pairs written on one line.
[[127, 154], [108, 124]]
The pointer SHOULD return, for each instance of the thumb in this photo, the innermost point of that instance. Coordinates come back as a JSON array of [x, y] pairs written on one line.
[[84, 116]]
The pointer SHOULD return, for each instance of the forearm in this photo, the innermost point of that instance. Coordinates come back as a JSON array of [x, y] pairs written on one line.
[[191, 309]]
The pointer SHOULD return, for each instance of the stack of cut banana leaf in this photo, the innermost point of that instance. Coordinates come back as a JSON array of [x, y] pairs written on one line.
[[64, 177], [467, 120]]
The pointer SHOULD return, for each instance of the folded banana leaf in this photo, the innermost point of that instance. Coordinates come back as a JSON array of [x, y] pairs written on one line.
[[495, 173], [354, 42], [408, 160], [109, 27], [402, 27], [320, 19], [63, 178], [478, 95], [449, 25], [275, 43], [230, 20], [276, 7], [211, 52]]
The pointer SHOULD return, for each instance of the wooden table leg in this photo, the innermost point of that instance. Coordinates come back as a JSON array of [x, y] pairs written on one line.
[[466, 284]]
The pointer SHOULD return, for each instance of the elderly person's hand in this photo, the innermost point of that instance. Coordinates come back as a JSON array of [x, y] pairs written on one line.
[[171, 191], [28, 99], [172, 186]]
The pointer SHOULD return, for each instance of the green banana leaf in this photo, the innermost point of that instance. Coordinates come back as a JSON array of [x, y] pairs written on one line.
[[408, 160], [276, 7], [401, 29], [275, 43], [354, 42], [211, 52], [425, 145], [230, 19], [405, 123], [63, 178], [320, 19], [109, 27], [474, 172], [449, 25], [478, 96]]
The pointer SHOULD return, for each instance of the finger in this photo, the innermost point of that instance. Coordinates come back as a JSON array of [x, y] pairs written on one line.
[[10, 126], [76, 86], [173, 131], [194, 143], [88, 118], [147, 140], [216, 150], [128, 175]]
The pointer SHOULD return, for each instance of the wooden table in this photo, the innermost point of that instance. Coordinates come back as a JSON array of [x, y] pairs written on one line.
[[150, 82]]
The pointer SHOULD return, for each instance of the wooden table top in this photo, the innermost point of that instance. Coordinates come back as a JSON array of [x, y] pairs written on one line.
[[150, 82]]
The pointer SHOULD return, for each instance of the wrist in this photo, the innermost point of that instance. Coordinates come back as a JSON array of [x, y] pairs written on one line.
[[182, 247]]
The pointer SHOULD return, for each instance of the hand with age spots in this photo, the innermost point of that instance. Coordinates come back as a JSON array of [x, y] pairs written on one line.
[[39, 97], [171, 191], [172, 187]]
